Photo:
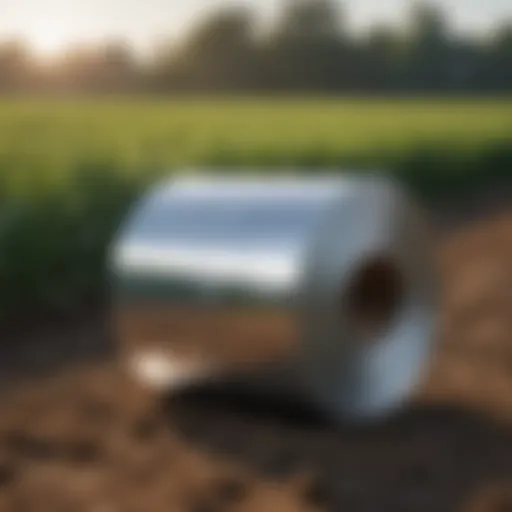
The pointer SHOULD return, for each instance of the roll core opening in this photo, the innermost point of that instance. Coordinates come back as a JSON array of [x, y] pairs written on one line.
[[374, 297]]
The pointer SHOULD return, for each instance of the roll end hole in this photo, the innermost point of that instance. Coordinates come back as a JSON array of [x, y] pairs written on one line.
[[374, 298]]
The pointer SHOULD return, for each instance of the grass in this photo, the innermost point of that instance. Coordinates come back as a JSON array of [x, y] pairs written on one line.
[[69, 169]]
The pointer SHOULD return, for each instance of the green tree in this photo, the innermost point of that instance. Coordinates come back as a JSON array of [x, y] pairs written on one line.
[[379, 60], [218, 54], [308, 49], [428, 54], [499, 62], [303, 19]]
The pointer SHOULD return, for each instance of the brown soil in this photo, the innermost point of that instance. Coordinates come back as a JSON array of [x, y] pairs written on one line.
[[76, 434]]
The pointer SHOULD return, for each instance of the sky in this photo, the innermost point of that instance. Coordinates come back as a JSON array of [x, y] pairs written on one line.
[[50, 25]]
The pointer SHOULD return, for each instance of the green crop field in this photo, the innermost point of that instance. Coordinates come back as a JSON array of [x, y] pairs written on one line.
[[69, 169], [252, 132]]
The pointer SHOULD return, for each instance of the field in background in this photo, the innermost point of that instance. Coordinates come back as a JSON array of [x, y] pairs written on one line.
[[250, 131], [69, 170]]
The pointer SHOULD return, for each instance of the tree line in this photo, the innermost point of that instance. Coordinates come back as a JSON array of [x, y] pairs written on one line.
[[310, 49]]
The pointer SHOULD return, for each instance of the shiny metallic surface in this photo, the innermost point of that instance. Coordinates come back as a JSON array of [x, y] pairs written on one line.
[[328, 279]]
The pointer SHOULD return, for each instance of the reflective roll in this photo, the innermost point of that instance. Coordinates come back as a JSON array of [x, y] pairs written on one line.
[[327, 280]]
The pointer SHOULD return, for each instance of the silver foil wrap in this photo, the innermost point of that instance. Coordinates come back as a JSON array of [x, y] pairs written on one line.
[[328, 282]]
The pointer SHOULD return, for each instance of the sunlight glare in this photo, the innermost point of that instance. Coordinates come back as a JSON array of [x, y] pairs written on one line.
[[49, 37]]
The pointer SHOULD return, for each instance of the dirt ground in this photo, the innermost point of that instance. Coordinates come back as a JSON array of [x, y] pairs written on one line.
[[77, 435]]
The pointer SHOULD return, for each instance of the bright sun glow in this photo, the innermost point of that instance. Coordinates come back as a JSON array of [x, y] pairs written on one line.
[[48, 40]]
